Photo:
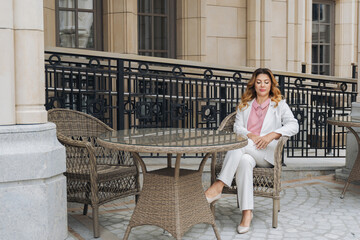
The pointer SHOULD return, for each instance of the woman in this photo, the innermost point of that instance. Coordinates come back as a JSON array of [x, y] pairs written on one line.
[[263, 117]]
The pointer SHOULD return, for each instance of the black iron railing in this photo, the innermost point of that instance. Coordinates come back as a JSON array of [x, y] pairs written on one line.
[[127, 91]]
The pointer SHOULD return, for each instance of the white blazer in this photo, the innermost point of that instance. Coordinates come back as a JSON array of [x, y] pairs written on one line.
[[278, 119]]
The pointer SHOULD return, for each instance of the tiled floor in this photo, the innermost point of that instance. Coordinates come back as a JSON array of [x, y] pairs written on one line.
[[310, 209]]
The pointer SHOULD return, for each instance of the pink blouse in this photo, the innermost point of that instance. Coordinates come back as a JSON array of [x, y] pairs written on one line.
[[257, 116]]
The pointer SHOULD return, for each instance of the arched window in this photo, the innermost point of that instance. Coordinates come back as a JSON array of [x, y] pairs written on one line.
[[79, 24], [156, 28]]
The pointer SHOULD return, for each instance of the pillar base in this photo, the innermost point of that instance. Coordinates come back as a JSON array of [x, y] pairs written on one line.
[[32, 185], [342, 174]]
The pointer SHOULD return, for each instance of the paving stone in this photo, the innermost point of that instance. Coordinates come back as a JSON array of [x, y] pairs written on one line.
[[307, 212], [227, 237], [332, 236]]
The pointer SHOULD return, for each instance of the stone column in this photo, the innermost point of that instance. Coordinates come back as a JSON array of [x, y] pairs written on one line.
[[29, 62], [295, 35], [253, 33], [259, 32], [49, 23], [120, 26], [346, 38], [7, 71], [308, 34], [32, 161], [191, 30], [267, 27]]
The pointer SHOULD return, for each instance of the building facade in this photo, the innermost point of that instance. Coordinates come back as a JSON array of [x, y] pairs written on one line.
[[315, 36]]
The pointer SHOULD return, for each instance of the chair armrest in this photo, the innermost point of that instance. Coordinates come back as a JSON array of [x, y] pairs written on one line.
[[278, 151], [69, 141], [77, 154], [226, 122]]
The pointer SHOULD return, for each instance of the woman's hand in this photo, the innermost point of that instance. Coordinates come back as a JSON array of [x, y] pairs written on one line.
[[253, 136], [262, 142]]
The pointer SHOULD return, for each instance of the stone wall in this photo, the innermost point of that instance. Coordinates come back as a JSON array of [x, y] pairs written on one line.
[[255, 33]]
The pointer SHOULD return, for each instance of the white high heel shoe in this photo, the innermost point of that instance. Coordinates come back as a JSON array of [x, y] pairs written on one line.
[[242, 229], [213, 199]]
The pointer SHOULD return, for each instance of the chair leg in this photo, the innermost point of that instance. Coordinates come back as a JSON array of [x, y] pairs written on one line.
[[237, 200], [95, 215], [87, 193], [212, 207], [276, 204], [216, 232], [127, 232], [85, 209]]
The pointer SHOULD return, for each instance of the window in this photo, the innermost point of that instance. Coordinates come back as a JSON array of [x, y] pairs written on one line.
[[79, 24], [156, 28], [322, 37]]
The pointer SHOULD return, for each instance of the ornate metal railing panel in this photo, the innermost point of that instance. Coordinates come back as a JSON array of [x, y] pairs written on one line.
[[128, 91]]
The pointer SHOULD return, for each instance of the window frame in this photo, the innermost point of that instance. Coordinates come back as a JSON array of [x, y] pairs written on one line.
[[97, 13], [171, 29], [331, 45]]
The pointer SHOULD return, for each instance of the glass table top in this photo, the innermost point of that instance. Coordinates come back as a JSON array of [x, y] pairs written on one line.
[[172, 137], [344, 121]]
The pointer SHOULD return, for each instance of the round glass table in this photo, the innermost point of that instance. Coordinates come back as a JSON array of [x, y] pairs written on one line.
[[349, 122], [172, 198]]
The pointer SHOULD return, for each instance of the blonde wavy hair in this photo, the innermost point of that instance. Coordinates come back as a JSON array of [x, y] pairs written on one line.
[[250, 93]]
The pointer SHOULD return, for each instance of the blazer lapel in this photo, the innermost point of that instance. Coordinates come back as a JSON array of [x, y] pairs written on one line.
[[267, 120]]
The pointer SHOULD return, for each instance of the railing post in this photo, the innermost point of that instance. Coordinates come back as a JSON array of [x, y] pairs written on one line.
[[120, 94], [282, 84], [223, 110], [329, 134], [353, 75], [353, 96]]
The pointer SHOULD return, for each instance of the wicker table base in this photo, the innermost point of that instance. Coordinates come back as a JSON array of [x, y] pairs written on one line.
[[172, 198], [172, 205]]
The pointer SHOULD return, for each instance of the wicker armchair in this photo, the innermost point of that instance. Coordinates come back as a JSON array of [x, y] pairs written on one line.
[[266, 180], [95, 175]]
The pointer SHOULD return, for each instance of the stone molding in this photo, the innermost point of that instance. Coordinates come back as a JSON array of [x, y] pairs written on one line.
[[25, 151]]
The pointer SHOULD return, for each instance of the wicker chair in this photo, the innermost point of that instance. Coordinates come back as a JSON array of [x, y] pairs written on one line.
[[95, 175], [266, 180]]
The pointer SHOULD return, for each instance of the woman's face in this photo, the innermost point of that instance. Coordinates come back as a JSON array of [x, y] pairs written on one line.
[[262, 85]]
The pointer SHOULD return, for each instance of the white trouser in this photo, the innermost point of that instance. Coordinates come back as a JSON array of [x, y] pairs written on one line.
[[242, 161]]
